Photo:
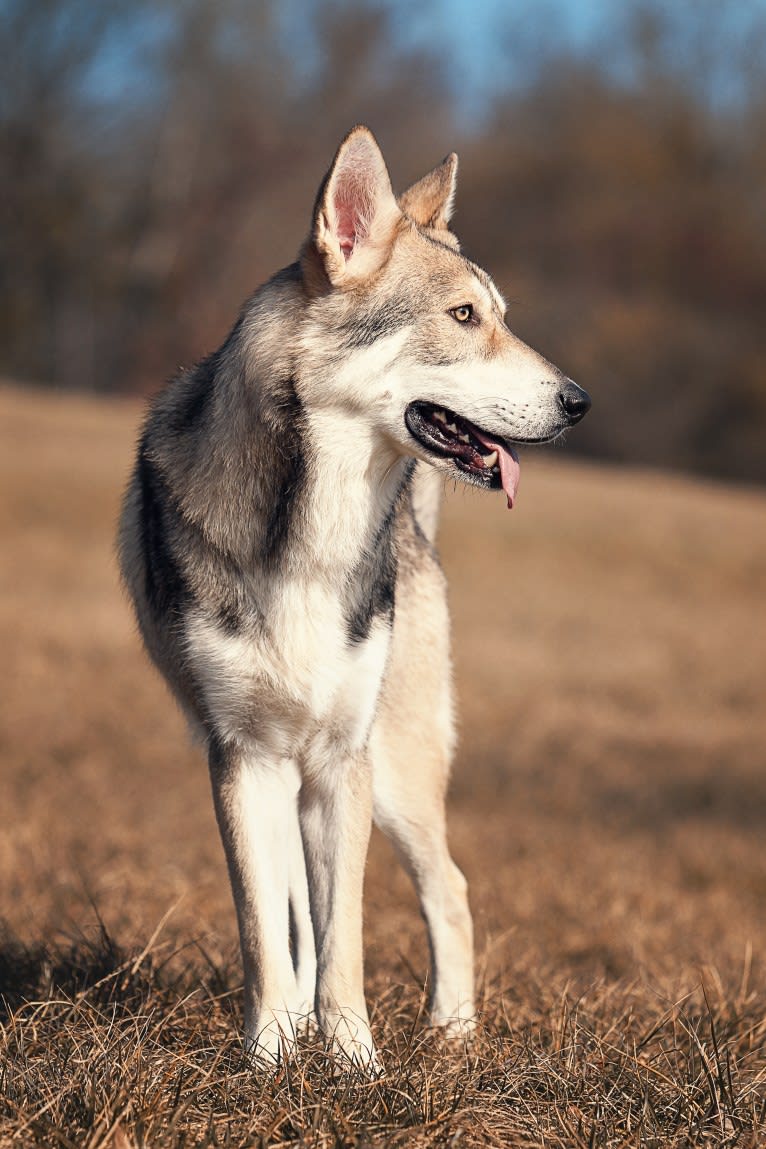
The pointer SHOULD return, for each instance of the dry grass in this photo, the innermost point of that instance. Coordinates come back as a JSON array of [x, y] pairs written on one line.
[[608, 808]]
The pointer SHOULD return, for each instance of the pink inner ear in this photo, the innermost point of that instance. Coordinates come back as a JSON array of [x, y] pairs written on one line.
[[346, 221]]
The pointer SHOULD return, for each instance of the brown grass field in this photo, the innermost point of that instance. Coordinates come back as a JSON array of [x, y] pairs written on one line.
[[608, 808]]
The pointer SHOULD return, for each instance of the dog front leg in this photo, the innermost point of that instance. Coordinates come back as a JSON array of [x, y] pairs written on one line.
[[255, 804], [336, 818], [301, 926]]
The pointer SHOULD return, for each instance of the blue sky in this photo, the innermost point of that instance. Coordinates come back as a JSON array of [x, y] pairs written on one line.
[[493, 44], [483, 41], [475, 37], [487, 45]]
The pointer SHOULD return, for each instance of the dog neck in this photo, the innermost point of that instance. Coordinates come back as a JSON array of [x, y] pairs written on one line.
[[354, 479]]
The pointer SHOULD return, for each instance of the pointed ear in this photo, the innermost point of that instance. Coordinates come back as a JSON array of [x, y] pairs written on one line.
[[356, 214], [429, 202]]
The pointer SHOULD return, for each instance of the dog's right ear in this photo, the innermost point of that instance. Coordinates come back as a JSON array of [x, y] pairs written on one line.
[[356, 213]]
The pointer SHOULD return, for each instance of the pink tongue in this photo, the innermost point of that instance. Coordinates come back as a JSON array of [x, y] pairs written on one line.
[[509, 465]]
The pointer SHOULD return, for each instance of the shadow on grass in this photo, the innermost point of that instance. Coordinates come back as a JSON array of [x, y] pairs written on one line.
[[41, 971], [97, 966]]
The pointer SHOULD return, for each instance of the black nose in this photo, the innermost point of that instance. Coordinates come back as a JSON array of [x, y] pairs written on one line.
[[575, 401]]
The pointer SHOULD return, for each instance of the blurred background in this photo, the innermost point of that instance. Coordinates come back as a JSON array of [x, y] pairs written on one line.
[[159, 159]]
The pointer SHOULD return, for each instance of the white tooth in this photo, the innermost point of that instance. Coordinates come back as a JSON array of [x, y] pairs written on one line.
[[440, 416], [490, 460], [465, 439], [451, 427]]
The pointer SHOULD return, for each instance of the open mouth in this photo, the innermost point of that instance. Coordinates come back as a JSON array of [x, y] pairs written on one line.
[[486, 460]]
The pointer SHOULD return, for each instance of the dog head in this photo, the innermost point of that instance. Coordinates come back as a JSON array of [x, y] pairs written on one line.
[[409, 335]]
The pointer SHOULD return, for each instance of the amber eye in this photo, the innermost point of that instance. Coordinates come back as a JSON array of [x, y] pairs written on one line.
[[463, 314]]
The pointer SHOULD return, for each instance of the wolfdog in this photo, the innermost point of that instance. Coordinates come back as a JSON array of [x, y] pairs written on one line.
[[277, 541]]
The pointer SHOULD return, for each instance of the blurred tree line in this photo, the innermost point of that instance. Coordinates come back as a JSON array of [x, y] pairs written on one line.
[[159, 160]]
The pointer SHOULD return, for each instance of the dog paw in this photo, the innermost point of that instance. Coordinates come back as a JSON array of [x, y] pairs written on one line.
[[267, 1049], [275, 1035], [351, 1044]]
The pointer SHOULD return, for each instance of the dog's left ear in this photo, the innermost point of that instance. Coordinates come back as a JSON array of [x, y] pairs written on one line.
[[356, 213], [430, 201]]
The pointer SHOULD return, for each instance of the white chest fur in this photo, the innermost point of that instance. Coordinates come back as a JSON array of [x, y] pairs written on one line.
[[299, 676]]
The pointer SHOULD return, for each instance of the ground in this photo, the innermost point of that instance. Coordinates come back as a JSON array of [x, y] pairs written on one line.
[[607, 807]]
